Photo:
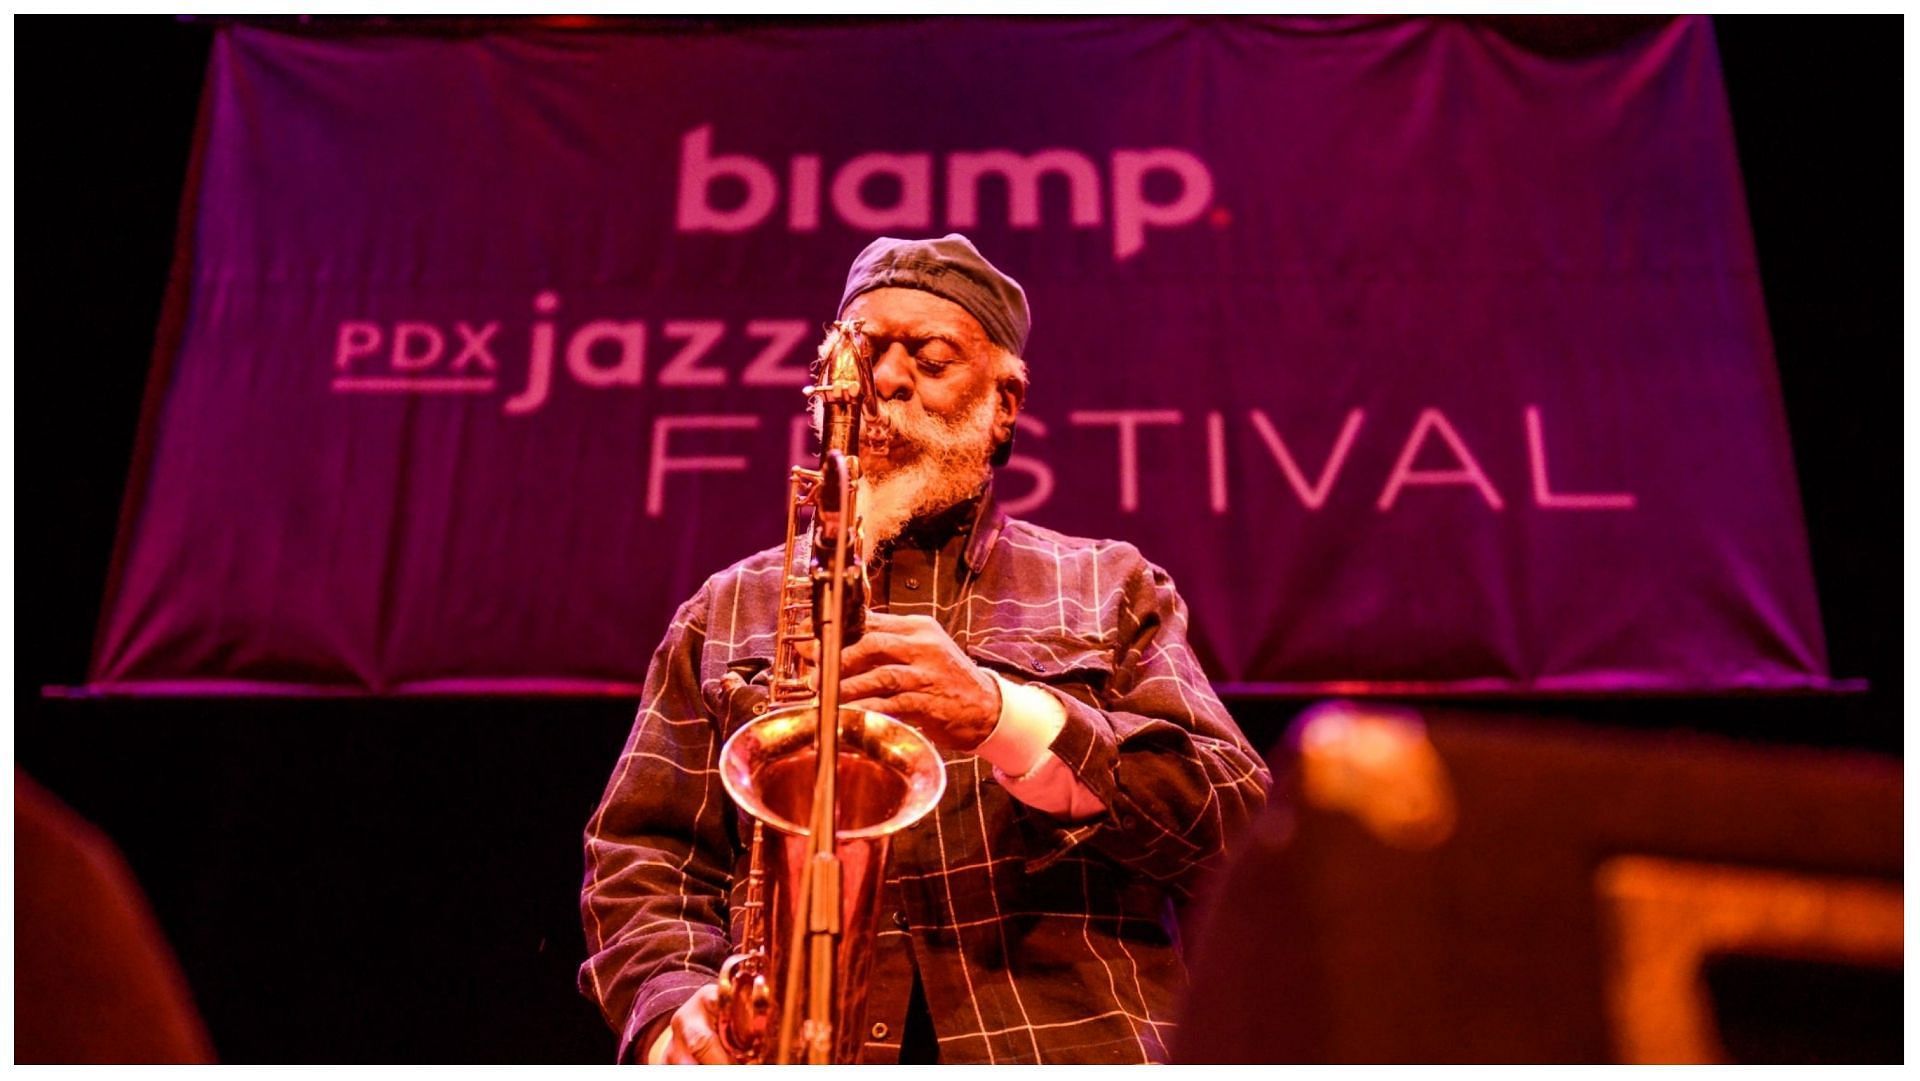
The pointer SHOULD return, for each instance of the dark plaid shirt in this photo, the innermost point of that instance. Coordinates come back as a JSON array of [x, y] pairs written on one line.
[[1036, 939]]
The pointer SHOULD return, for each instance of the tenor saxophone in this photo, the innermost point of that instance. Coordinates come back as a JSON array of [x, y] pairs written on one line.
[[795, 989]]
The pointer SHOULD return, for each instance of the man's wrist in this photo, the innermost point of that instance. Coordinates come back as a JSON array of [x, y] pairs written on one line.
[[990, 684]]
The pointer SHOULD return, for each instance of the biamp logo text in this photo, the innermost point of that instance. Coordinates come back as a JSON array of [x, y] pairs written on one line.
[[1120, 200]]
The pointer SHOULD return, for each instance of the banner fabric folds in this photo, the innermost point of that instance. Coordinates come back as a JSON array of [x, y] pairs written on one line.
[[1422, 360]]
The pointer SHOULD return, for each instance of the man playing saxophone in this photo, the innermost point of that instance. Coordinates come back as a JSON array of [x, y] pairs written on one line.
[[1092, 774]]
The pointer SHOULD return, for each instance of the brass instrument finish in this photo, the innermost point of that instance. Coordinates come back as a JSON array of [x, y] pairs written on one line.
[[796, 988]]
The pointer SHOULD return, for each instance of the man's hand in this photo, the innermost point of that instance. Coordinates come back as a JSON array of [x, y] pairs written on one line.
[[693, 1037], [907, 667]]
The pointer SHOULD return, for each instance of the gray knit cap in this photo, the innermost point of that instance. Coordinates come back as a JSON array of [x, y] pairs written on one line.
[[949, 267]]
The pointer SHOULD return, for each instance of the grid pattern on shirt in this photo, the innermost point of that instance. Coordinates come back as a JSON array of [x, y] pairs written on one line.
[[1036, 939]]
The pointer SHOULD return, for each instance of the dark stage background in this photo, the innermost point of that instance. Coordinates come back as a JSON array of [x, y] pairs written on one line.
[[365, 880]]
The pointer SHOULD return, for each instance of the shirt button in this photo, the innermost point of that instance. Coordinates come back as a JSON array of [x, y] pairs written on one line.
[[879, 1030], [913, 583], [900, 919]]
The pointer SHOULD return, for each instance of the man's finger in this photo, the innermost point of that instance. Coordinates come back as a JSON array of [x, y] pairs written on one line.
[[888, 679], [706, 1049], [909, 708], [876, 648], [876, 705], [693, 1036], [895, 623], [696, 1049]]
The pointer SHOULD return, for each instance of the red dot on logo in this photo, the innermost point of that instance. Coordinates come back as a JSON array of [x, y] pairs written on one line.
[[1221, 217]]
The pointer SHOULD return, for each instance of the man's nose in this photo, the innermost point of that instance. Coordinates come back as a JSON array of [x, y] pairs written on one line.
[[893, 374]]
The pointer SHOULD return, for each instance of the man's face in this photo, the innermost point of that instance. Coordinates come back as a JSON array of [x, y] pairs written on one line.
[[934, 374], [942, 406]]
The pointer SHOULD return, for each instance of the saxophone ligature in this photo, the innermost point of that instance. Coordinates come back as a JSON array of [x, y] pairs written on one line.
[[825, 786]]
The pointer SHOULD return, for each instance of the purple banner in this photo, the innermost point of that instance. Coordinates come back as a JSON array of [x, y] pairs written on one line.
[[1422, 361]]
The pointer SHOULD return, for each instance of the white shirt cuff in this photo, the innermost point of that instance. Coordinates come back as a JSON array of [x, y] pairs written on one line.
[[1019, 752], [1030, 720]]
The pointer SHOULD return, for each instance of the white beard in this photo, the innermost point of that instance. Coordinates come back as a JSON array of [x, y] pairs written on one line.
[[945, 461]]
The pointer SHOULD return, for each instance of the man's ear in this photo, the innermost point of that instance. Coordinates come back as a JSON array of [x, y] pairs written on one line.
[[1010, 394]]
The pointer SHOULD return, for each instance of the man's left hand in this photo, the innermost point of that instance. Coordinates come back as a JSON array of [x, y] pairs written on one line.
[[907, 667]]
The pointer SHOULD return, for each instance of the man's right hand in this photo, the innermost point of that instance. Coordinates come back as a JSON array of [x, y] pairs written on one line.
[[693, 1036]]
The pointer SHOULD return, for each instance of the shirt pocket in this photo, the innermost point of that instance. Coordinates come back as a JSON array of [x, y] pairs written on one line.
[[1079, 666]]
